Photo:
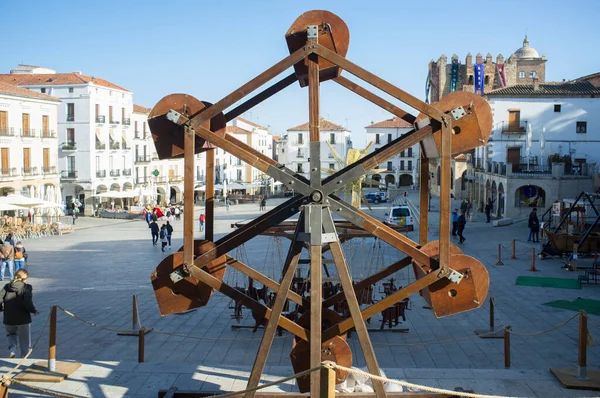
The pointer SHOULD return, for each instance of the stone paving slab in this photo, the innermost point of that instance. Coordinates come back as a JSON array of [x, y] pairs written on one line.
[[95, 271]]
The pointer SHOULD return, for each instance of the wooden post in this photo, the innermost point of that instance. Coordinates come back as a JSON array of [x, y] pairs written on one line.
[[532, 268], [135, 321], [500, 255], [582, 347], [491, 314], [3, 390], [507, 347], [575, 260], [52, 341], [424, 200], [327, 383], [209, 196], [445, 160], [142, 335], [514, 250], [188, 196]]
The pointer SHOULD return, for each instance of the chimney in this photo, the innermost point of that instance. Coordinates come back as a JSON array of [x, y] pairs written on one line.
[[536, 84]]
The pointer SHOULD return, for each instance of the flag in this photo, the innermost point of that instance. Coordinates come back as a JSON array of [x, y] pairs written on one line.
[[454, 75], [479, 78], [501, 75], [427, 86]]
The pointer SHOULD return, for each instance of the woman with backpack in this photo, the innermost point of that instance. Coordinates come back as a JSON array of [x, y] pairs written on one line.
[[20, 256], [162, 235], [16, 300]]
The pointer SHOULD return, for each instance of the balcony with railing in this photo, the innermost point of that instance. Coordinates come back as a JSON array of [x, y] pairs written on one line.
[[161, 180], [100, 173], [9, 172], [300, 154], [127, 172], [48, 134], [124, 145], [27, 132], [141, 180], [114, 122], [175, 179], [70, 118], [68, 174], [7, 132], [142, 159], [114, 145], [69, 146], [137, 135], [115, 173], [155, 158], [513, 128], [49, 170], [127, 122], [100, 119], [100, 145], [29, 171]]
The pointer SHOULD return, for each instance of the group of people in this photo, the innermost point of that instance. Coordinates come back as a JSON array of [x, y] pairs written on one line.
[[262, 204], [13, 256], [163, 234], [458, 224]]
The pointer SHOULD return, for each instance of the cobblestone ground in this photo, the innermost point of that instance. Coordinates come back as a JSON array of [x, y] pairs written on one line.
[[95, 271]]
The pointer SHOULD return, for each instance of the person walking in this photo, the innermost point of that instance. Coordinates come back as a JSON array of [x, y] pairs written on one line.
[[534, 226], [7, 252], [16, 300], [488, 209], [469, 207], [460, 226], [454, 221], [154, 231], [263, 203], [20, 256], [177, 213], [169, 232], [202, 220], [10, 239], [163, 237]]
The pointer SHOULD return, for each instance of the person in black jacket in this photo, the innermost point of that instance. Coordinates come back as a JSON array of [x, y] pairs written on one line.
[[169, 233], [17, 304], [534, 226], [460, 226], [154, 229]]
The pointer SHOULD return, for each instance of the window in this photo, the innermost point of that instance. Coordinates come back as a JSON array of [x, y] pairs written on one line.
[[27, 158], [486, 80], [409, 165], [402, 165], [389, 166], [123, 115], [470, 79], [300, 154], [300, 168], [532, 74], [70, 112], [70, 89], [71, 137], [521, 75], [300, 139], [377, 138], [71, 164], [402, 154], [239, 175], [389, 138], [45, 126], [97, 111], [97, 162], [110, 114], [43, 90], [410, 153], [332, 138], [332, 166], [581, 128], [401, 212], [556, 107], [3, 123]]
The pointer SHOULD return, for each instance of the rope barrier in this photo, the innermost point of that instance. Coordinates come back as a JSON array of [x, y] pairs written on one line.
[[547, 330], [44, 390], [406, 384]]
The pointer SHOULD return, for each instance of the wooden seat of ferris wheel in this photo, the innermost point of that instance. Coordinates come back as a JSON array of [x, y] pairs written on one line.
[[189, 293], [168, 137]]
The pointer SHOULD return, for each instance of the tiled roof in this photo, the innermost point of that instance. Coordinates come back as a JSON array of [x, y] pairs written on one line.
[[462, 156], [553, 89], [140, 109], [394, 122], [277, 138], [251, 123], [236, 130], [325, 125], [11, 89], [55, 79]]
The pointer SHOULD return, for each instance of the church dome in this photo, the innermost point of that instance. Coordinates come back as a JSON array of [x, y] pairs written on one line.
[[526, 52]]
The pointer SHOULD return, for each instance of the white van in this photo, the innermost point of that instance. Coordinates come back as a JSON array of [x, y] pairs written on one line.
[[399, 216]]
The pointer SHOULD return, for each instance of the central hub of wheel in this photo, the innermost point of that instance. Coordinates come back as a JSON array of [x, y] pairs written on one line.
[[316, 196]]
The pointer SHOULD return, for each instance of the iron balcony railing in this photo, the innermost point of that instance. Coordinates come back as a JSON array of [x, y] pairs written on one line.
[[8, 172], [100, 146], [7, 132], [101, 119], [70, 118], [48, 134], [68, 174], [141, 180], [115, 173], [114, 122], [142, 159], [127, 172], [69, 146], [513, 128], [48, 170], [27, 132], [137, 135], [100, 173], [127, 122], [161, 180], [175, 179], [29, 171]]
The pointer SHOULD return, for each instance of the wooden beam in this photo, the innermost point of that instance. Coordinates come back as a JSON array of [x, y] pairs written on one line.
[[188, 196], [209, 196], [316, 306], [445, 183], [424, 200]]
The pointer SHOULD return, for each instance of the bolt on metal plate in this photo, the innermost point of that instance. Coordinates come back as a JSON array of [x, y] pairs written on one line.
[[458, 113], [176, 275]]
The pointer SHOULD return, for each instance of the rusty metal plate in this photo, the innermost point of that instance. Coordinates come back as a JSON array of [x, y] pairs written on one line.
[[471, 131], [328, 318], [447, 298], [188, 293], [335, 349], [168, 136], [333, 34], [432, 249]]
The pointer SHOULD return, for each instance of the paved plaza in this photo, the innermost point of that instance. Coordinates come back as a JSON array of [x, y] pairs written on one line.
[[95, 271]]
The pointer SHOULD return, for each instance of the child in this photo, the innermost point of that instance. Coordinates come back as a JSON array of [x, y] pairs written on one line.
[[16, 300], [163, 237], [20, 256]]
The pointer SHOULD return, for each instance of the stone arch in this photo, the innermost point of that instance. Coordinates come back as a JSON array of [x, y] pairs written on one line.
[[501, 200], [405, 180], [494, 196], [161, 195], [488, 193], [463, 181], [530, 196], [127, 186], [390, 179], [376, 177], [174, 194], [115, 187]]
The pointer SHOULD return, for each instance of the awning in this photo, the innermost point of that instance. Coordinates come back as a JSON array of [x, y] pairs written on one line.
[[20, 200], [118, 194]]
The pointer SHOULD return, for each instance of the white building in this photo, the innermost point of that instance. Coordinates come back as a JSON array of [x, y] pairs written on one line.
[[94, 133], [558, 165], [28, 143], [403, 169], [294, 149]]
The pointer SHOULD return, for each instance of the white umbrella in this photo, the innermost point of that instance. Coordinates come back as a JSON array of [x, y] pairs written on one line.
[[202, 188], [23, 201], [4, 206], [542, 141], [224, 189], [529, 139]]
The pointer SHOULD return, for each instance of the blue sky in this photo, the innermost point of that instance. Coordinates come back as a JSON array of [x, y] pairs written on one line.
[[209, 48]]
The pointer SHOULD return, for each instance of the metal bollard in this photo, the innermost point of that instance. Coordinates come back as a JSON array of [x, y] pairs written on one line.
[[52, 341], [582, 347], [514, 251], [532, 268], [507, 347], [141, 338], [499, 255]]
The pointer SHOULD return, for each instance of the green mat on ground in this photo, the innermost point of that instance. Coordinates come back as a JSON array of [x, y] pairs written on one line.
[[587, 305], [562, 283]]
